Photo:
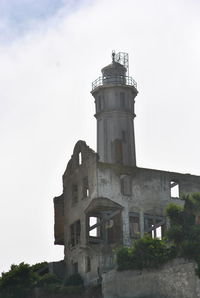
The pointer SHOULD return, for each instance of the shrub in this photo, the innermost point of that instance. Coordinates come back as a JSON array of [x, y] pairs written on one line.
[[18, 281], [175, 213], [40, 268], [145, 253], [185, 228], [124, 259]]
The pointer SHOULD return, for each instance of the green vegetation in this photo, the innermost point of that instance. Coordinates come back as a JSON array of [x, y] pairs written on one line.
[[21, 279], [18, 282], [181, 240], [144, 253], [185, 228]]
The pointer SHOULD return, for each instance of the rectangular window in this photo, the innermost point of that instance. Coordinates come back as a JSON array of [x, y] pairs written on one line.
[[157, 233], [85, 188], [75, 268], [174, 189], [94, 228], [87, 264], [75, 233], [154, 225], [126, 185], [134, 225], [80, 158], [95, 232]]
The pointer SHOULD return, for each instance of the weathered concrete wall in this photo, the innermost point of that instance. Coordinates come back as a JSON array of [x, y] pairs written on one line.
[[59, 220], [88, 293], [133, 191], [177, 279], [58, 268]]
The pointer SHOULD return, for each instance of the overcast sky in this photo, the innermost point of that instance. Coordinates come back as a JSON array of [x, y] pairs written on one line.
[[50, 52]]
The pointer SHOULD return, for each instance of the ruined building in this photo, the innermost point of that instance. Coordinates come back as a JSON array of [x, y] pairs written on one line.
[[107, 200]]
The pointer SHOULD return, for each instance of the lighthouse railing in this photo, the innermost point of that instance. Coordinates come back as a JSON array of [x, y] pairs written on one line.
[[117, 80]]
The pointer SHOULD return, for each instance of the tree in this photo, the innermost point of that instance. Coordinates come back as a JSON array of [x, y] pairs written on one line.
[[18, 281], [185, 227]]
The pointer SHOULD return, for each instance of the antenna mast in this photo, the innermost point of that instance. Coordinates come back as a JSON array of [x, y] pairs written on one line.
[[123, 59]]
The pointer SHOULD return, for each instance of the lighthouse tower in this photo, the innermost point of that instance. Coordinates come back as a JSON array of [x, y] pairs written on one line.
[[114, 94], [107, 201]]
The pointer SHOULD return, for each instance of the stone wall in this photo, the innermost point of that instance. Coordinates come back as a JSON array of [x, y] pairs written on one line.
[[94, 292], [177, 279]]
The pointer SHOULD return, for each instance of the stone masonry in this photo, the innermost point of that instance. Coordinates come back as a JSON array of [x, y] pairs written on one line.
[[177, 279]]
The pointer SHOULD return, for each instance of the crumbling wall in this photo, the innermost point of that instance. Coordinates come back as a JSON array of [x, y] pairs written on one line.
[[177, 279], [59, 220]]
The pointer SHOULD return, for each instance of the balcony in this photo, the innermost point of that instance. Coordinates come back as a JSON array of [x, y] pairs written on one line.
[[117, 80]]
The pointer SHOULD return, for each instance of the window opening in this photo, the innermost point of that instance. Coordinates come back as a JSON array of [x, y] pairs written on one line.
[[85, 188], [87, 264], [80, 158], [174, 189], [154, 226], [93, 220], [75, 233], [126, 185], [75, 267], [157, 233], [94, 231], [134, 225], [74, 193], [104, 226]]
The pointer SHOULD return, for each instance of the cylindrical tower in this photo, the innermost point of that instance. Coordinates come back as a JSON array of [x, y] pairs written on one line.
[[114, 95]]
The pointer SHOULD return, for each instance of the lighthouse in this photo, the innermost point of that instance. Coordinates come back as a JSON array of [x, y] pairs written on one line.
[[114, 94]]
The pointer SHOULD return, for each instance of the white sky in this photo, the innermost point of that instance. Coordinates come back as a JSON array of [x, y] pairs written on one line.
[[48, 59]]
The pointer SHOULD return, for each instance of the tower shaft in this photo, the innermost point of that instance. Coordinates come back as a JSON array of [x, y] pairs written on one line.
[[114, 95]]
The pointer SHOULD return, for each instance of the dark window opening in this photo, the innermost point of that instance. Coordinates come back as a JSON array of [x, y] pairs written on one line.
[[74, 193], [174, 189], [75, 268], [85, 188], [134, 225], [87, 264], [75, 233], [126, 185]]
